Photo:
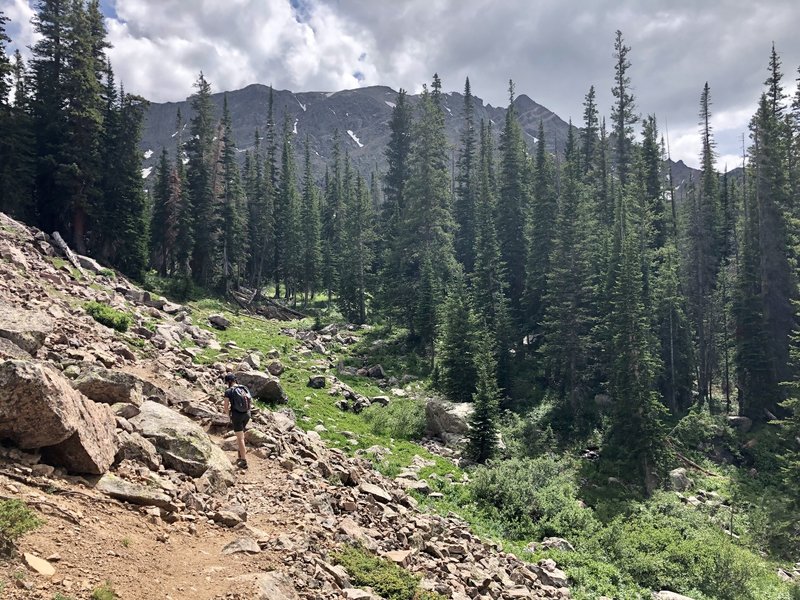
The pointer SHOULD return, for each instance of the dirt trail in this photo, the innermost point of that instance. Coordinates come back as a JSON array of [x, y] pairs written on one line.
[[120, 543]]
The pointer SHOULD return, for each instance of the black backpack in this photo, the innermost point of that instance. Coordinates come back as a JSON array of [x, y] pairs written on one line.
[[241, 400]]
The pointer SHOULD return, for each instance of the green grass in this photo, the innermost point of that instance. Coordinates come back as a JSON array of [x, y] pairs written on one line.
[[108, 316], [104, 592], [386, 578], [16, 519]]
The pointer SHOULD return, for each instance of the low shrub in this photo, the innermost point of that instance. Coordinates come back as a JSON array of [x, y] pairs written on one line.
[[104, 592], [402, 419], [387, 579], [16, 519], [108, 316], [533, 498]]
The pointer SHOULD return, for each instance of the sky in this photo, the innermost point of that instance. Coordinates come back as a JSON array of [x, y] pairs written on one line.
[[552, 49]]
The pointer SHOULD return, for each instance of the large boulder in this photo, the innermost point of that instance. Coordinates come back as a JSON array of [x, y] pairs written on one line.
[[135, 493], [679, 480], [133, 446], [9, 350], [109, 387], [26, 328], [262, 386], [667, 595], [443, 419], [182, 444], [39, 409]]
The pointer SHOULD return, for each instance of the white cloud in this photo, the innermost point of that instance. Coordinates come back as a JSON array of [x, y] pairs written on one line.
[[553, 49]]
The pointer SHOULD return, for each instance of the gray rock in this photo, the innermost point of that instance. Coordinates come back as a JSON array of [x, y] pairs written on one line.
[[219, 321], [133, 446], [25, 328], [679, 480], [667, 595], [9, 350], [109, 387], [243, 545], [135, 493], [376, 492], [182, 444], [316, 382], [443, 418], [262, 386], [743, 424], [39, 409], [276, 368], [275, 586], [382, 400], [125, 411]]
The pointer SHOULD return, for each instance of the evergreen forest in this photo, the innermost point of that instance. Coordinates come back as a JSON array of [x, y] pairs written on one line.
[[606, 329]]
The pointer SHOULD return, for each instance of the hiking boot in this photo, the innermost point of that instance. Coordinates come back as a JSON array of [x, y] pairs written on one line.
[[241, 463]]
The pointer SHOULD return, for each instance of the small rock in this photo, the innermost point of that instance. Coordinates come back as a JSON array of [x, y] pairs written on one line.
[[219, 321], [244, 545], [316, 382], [39, 565]]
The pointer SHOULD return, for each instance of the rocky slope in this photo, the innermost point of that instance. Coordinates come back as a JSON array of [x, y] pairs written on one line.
[[117, 440]]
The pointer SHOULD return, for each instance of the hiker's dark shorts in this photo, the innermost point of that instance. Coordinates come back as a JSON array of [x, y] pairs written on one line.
[[239, 420]]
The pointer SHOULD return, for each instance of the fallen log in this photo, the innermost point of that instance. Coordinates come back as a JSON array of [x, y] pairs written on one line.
[[71, 256]]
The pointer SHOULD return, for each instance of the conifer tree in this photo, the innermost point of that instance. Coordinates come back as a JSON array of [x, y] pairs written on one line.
[[464, 207], [357, 247], [456, 344], [162, 229], [332, 221], [231, 199], [569, 300], [394, 296], [590, 134], [286, 212], [427, 229], [184, 242], [623, 112], [512, 204], [482, 436], [200, 173], [309, 232], [488, 280], [540, 231]]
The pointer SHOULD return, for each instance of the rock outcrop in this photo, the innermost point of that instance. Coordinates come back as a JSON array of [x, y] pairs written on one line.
[[39, 409], [25, 328]]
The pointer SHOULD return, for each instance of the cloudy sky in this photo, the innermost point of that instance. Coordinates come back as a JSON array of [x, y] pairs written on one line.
[[553, 50]]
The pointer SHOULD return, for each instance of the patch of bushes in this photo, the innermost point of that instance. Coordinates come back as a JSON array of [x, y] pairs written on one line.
[[16, 519], [402, 419], [387, 579], [108, 316], [104, 592], [532, 498]]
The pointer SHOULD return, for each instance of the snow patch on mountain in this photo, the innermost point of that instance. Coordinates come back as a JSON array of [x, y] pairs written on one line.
[[391, 104], [303, 106], [355, 138], [148, 154], [146, 172], [294, 129]]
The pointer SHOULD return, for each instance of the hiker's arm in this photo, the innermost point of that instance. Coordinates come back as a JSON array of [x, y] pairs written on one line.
[[226, 405]]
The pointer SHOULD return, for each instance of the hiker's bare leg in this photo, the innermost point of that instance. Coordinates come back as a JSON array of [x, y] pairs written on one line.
[[240, 442]]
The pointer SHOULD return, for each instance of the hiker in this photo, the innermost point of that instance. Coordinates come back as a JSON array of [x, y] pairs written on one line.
[[238, 403]]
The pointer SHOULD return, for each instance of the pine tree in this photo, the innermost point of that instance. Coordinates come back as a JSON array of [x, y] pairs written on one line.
[[394, 296], [512, 204], [332, 221], [540, 231], [17, 166], [464, 207], [636, 434], [623, 112], [286, 216], [162, 229], [427, 229], [482, 436], [184, 242], [199, 175], [357, 247], [456, 344], [590, 134], [232, 207], [309, 232], [570, 299], [488, 280]]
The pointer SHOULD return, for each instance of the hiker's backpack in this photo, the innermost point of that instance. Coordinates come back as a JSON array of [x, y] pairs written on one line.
[[241, 400]]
